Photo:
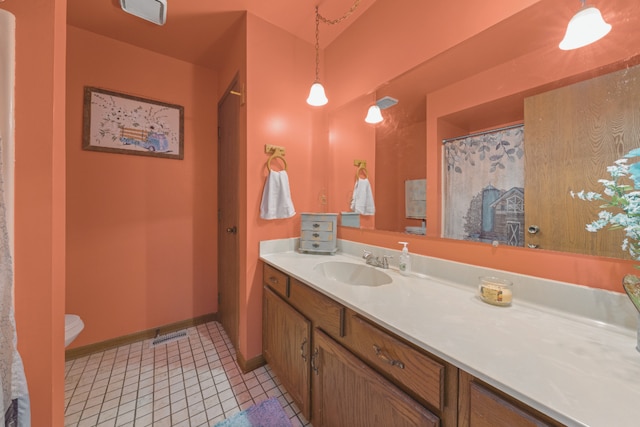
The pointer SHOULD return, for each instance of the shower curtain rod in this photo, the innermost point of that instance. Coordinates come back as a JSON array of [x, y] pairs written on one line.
[[444, 141]]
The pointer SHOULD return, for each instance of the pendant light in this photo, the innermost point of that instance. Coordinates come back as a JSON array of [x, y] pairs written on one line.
[[586, 26], [317, 96], [373, 115]]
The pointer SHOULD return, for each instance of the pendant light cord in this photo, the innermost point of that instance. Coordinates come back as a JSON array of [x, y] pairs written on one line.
[[318, 45], [329, 22], [342, 18]]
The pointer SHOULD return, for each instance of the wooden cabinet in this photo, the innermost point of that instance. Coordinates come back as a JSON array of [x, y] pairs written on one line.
[[480, 405], [286, 342], [430, 381], [346, 392], [344, 370]]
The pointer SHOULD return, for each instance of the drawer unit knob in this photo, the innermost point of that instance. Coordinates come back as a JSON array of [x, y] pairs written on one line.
[[273, 280], [316, 225], [386, 358]]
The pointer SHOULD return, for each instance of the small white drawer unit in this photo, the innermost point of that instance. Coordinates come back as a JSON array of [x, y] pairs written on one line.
[[318, 232]]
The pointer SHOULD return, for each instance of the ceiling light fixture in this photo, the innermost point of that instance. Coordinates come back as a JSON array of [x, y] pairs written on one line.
[[317, 96], [373, 115], [586, 26], [151, 10]]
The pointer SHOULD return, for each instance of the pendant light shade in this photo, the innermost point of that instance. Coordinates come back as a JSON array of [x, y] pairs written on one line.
[[317, 97], [586, 27], [373, 115]]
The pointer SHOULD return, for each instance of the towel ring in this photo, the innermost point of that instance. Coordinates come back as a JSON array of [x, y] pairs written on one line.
[[364, 171], [274, 156]]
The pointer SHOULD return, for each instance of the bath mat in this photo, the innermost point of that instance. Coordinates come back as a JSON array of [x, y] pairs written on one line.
[[267, 413]]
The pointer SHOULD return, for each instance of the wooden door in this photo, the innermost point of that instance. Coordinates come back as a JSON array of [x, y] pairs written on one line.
[[228, 249], [286, 344], [346, 392], [571, 135]]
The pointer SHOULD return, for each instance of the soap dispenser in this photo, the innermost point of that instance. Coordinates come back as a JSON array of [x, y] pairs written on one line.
[[405, 260]]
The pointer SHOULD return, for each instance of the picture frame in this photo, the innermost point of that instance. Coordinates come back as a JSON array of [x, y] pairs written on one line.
[[118, 123]]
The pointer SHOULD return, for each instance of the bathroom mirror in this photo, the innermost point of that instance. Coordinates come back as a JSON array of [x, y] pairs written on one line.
[[482, 84]]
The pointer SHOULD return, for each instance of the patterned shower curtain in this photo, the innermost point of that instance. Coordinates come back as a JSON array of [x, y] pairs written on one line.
[[14, 397], [483, 191]]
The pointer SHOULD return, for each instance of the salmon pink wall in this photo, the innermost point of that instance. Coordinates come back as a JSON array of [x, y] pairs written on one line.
[[389, 40], [350, 139], [490, 99], [39, 202], [141, 231], [280, 70]]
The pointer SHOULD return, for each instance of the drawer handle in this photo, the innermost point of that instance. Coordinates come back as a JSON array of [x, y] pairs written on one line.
[[304, 356], [316, 245], [386, 358], [273, 280], [316, 225], [316, 235]]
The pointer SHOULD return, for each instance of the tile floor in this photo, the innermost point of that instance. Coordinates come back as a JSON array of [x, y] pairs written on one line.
[[191, 382]]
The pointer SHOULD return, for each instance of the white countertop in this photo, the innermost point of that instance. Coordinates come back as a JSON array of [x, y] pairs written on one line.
[[579, 371]]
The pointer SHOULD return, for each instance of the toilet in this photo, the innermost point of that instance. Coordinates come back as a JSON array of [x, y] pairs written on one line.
[[73, 325]]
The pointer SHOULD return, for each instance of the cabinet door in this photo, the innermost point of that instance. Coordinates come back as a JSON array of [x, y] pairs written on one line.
[[286, 345], [346, 392]]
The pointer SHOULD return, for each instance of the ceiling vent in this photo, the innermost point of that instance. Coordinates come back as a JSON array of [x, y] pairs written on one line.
[[151, 10]]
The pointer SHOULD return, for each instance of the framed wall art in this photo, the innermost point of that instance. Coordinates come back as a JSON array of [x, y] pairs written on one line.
[[118, 123]]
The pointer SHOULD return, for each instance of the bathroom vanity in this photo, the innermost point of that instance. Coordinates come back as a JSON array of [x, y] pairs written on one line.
[[425, 350]]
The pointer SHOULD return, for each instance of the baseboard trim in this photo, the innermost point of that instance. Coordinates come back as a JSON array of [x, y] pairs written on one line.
[[251, 364], [75, 353]]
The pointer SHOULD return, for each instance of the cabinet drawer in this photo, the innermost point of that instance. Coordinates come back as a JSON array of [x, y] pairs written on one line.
[[276, 280], [318, 236], [306, 245], [317, 225], [488, 409], [324, 312], [412, 370]]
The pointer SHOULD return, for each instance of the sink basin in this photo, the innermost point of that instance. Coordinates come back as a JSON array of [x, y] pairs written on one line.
[[353, 274]]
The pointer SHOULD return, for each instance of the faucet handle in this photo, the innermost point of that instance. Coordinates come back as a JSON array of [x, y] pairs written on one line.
[[366, 254], [385, 260]]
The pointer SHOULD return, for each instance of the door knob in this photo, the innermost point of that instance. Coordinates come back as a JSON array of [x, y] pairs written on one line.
[[533, 229], [232, 230]]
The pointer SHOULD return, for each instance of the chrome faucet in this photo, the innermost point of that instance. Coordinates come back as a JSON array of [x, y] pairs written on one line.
[[374, 261]]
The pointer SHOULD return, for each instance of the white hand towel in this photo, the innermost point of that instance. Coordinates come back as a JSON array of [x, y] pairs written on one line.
[[362, 200], [276, 197]]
